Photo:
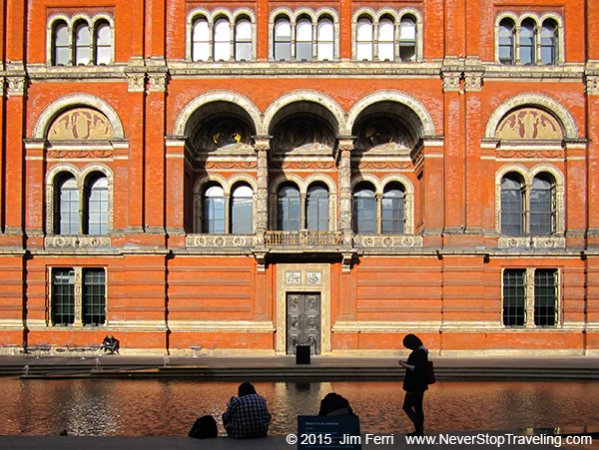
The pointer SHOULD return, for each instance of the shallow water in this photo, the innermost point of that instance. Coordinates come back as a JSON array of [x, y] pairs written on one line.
[[169, 408]]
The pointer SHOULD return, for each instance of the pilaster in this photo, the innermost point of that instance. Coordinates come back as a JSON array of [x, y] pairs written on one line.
[[345, 147]]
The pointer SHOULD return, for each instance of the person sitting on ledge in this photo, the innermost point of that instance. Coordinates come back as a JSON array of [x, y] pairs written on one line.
[[110, 344], [247, 415], [334, 404]]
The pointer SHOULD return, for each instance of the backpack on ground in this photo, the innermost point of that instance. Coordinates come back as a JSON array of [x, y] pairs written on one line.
[[204, 428]]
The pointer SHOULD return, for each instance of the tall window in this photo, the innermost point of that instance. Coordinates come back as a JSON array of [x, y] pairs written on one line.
[[214, 210], [326, 40], [545, 297], [289, 208], [200, 46], [393, 210], [68, 207], [94, 296], [514, 297], [82, 44], [364, 39], [282, 37], [386, 40], [407, 39], [506, 41], [243, 40], [542, 206], [63, 297], [549, 42], [103, 43], [512, 205], [97, 206], [61, 53], [527, 43], [303, 39], [317, 208], [242, 211], [222, 39], [365, 209]]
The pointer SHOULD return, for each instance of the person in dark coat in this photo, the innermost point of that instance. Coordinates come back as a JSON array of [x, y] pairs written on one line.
[[415, 382], [334, 404]]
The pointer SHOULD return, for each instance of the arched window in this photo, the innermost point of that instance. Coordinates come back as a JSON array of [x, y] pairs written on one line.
[[200, 43], [317, 208], [243, 40], [365, 209], [96, 222], [506, 42], [549, 42], [103, 44], [542, 206], [282, 44], [512, 205], [386, 40], [242, 210], [303, 39], [326, 40], [289, 209], [527, 43], [407, 39], [82, 44], [222, 40], [214, 210], [393, 210], [61, 53], [364, 39], [67, 212]]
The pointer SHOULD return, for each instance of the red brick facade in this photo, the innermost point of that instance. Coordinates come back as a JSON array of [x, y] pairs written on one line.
[[118, 118]]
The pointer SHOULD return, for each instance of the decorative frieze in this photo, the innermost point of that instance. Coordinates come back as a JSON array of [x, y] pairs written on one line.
[[75, 242], [387, 241], [218, 241], [526, 242]]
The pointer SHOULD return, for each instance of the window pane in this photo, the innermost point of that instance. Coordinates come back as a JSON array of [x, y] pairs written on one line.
[[62, 49], [514, 297], [282, 50], [214, 210], [545, 297], [542, 204], [393, 211], [364, 40], [407, 39], [512, 207], [68, 213], [63, 296], [94, 297], [527, 44], [103, 44], [549, 43], [506, 42], [242, 211], [222, 40], [326, 38], [201, 40], [303, 40], [365, 220], [82, 45], [243, 40], [317, 208], [97, 208], [386, 40], [289, 212]]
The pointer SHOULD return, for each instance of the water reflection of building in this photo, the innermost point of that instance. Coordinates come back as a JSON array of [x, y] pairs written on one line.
[[181, 185]]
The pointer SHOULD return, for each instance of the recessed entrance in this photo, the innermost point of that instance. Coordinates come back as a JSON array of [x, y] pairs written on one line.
[[303, 321]]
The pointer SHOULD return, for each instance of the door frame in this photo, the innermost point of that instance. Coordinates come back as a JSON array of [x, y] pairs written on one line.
[[303, 278]]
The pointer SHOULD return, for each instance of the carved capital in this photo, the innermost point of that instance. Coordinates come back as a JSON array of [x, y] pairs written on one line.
[[451, 81], [2, 81], [16, 86], [136, 82], [473, 81], [157, 82], [592, 84], [262, 144]]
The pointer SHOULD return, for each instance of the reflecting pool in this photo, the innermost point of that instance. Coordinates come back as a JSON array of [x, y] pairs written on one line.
[[169, 407]]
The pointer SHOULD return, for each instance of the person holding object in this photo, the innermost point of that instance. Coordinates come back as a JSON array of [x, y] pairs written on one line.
[[247, 415], [415, 382], [111, 344]]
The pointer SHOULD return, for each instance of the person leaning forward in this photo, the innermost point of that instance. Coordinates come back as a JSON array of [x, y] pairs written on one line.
[[247, 415]]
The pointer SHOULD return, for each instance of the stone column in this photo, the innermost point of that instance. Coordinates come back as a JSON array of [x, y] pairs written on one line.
[[345, 147], [262, 146]]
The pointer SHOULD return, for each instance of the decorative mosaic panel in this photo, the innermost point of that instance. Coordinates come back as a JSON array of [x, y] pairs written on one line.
[[529, 124], [80, 124]]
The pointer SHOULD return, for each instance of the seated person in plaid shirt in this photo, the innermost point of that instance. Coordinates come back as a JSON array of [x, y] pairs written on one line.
[[246, 415]]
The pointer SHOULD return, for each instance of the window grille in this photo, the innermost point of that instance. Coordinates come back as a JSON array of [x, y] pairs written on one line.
[[94, 297], [63, 297], [514, 297]]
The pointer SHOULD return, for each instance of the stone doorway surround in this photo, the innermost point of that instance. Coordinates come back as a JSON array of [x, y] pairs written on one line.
[[303, 278]]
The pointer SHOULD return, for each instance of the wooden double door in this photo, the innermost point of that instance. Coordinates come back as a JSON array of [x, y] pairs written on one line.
[[303, 321]]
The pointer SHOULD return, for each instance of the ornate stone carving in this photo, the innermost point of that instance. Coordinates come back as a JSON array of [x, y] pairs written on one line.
[[345, 204], [79, 154], [527, 242], [529, 124], [451, 81], [529, 154], [218, 241], [157, 82], [383, 165], [262, 146], [231, 165], [16, 86], [592, 84], [136, 82], [473, 81], [314, 278], [68, 242], [293, 278], [80, 124], [388, 241]]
